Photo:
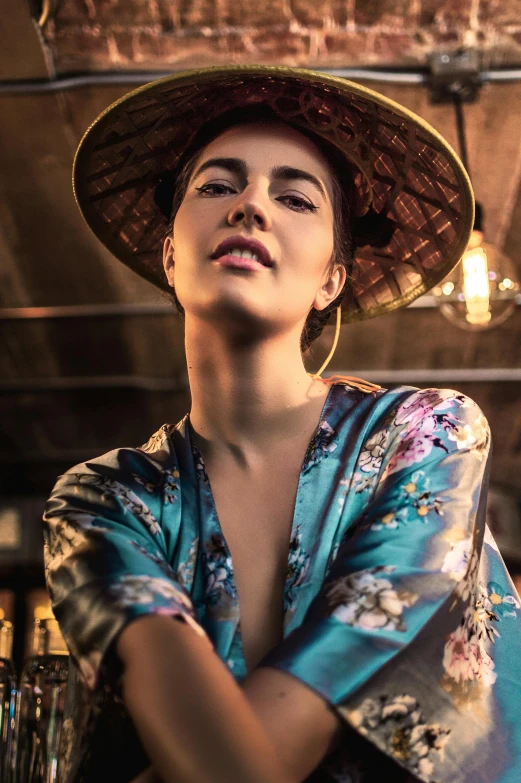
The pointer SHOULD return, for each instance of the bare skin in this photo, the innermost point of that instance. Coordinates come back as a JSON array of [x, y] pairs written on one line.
[[254, 411], [242, 347], [193, 719]]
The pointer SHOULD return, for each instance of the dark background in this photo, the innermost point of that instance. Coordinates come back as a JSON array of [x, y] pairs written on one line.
[[91, 356]]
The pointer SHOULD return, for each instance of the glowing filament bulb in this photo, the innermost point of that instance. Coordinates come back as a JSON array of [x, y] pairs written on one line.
[[476, 286]]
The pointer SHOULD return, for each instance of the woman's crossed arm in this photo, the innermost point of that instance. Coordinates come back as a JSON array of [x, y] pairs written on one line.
[[199, 726]]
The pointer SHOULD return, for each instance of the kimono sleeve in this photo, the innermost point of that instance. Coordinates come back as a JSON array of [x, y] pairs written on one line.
[[106, 559], [384, 639]]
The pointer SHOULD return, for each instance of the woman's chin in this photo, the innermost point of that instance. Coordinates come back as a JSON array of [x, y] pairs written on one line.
[[230, 305], [235, 315]]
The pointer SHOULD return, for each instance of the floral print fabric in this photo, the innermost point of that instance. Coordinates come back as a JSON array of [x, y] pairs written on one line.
[[398, 608]]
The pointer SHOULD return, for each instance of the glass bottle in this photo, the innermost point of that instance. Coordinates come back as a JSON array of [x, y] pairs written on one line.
[[41, 701], [7, 697]]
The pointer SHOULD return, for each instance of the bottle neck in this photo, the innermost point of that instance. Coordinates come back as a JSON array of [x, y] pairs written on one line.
[[47, 638], [6, 639]]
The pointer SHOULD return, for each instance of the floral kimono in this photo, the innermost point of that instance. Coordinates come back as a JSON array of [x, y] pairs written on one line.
[[398, 609]]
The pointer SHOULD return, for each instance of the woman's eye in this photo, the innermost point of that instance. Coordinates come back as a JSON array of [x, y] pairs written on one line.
[[211, 186], [297, 204], [302, 204]]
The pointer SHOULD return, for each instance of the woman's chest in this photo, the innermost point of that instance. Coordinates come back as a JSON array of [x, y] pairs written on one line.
[[255, 516]]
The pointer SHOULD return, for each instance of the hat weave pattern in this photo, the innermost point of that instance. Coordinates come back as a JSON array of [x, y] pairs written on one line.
[[402, 169]]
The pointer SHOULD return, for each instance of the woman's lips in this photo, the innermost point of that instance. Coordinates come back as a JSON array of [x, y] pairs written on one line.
[[239, 263]]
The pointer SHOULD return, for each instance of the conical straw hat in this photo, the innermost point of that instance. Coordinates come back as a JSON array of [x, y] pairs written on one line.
[[403, 169]]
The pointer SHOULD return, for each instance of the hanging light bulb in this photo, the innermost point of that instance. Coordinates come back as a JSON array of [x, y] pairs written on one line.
[[483, 290], [476, 289]]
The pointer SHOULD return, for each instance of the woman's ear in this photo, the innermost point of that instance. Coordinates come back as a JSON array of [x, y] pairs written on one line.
[[168, 259], [331, 288]]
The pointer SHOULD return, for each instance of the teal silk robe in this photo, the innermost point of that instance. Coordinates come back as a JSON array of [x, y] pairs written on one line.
[[398, 608]]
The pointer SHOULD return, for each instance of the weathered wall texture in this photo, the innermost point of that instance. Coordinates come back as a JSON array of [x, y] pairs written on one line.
[[157, 34]]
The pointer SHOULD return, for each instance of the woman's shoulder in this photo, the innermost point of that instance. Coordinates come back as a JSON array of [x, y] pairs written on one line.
[[403, 404], [406, 417], [414, 403], [436, 409], [129, 467], [423, 423]]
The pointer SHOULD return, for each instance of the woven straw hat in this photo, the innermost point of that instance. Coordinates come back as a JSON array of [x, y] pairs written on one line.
[[402, 167]]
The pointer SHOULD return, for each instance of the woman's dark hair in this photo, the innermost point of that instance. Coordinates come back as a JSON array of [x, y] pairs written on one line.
[[172, 188]]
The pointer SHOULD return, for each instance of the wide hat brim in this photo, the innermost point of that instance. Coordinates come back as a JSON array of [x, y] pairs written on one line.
[[404, 169]]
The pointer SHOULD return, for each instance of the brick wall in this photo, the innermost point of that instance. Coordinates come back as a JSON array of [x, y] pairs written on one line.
[[163, 34]]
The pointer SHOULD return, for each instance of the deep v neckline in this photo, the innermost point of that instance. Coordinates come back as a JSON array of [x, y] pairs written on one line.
[[207, 489]]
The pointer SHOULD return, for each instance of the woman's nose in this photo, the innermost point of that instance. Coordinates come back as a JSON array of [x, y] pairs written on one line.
[[251, 207]]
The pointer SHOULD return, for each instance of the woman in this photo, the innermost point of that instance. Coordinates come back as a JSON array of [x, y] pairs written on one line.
[[342, 524]]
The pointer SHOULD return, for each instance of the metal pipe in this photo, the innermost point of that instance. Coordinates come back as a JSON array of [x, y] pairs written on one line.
[[85, 383], [9, 463], [438, 375], [501, 75], [180, 384], [136, 78], [84, 311], [139, 309], [374, 75], [25, 86]]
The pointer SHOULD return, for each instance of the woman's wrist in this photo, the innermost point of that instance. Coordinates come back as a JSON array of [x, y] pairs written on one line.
[[195, 723]]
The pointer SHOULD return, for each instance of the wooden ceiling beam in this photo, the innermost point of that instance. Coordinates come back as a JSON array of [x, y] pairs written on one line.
[[177, 384]]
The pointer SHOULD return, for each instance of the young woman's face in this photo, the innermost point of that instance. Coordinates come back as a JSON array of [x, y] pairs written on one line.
[[256, 196]]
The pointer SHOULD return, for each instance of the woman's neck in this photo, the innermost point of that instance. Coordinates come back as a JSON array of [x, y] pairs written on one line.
[[250, 397]]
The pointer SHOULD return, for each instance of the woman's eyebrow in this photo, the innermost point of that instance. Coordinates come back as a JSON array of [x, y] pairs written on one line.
[[238, 166]]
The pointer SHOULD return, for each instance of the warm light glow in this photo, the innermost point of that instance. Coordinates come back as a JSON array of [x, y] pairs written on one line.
[[476, 287], [43, 613], [482, 291], [475, 240]]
